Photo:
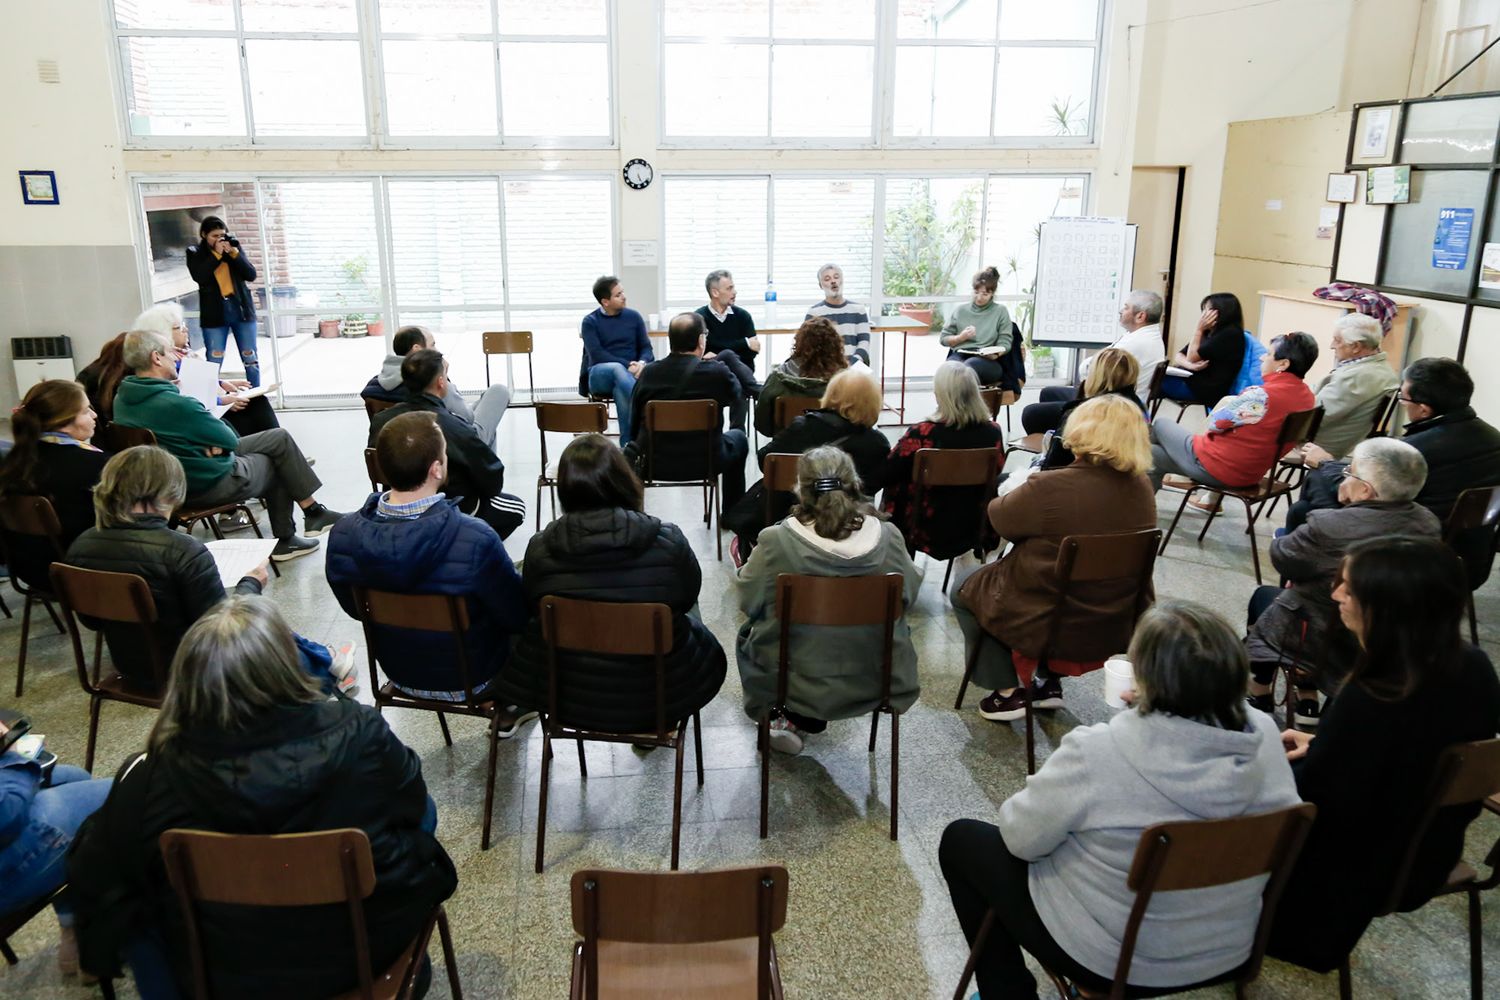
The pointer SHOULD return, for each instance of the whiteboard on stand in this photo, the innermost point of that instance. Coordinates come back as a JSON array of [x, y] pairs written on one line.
[[1083, 273]]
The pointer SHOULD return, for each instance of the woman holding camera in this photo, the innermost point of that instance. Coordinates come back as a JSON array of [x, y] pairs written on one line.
[[225, 303]]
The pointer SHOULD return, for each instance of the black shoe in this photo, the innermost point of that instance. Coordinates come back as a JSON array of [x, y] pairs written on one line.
[[1048, 693], [290, 548], [1307, 713], [999, 707], [1265, 702], [317, 519]]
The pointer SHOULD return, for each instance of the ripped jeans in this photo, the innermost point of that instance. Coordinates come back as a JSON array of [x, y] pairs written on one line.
[[216, 338]]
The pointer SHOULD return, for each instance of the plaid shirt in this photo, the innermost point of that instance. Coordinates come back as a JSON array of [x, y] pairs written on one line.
[[406, 511]]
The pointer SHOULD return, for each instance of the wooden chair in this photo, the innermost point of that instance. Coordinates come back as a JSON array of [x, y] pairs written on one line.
[[1153, 393], [374, 406], [678, 416], [1127, 556], [1031, 444], [998, 399], [378, 482], [11, 923], [704, 935], [509, 343], [779, 473], [835, 601], [1381, 424], [1297, 429], [789, 408], [1467, 773], [122, 599], [563, 418], [616, 630], [326, 868], [1472, 530], [941, 468], [1197, 854], [440, 614], [31, 521]]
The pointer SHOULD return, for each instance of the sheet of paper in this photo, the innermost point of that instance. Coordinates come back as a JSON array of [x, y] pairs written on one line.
[[259, 390], [199, 378], [1179, 372], [236, 557]]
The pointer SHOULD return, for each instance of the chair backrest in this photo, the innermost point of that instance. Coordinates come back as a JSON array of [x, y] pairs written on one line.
[[372, 469], [1157, 374], [34, 517], [1385, 413], [1466, 773], [838, 601], [779, 476], [447, 613], [956, 467], [572, 418], [675, 416], [789, 408], [116, 598], [1300, 427], [681, 908], [607, 629], [118, 437], [1473, 531], [1127, 556], [332, 867], [506, 341], [1198, 854], [374, 406]]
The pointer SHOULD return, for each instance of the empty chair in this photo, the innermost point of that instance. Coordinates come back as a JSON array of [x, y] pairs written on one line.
[[1471, 531], [509, 343]]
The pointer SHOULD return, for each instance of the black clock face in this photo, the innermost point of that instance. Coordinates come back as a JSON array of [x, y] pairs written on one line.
[[638, 174]]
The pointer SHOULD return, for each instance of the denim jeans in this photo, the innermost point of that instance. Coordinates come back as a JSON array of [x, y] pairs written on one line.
[[216, 338], [57, 811], [615, 379]]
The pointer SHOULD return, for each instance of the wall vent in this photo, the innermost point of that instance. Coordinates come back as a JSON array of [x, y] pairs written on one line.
[[47, 72]]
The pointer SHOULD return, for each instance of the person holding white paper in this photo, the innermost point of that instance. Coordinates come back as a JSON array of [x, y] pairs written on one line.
[[979, 333], [246, 414]]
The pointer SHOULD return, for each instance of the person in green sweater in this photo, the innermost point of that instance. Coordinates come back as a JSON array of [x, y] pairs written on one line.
[[983, 325], [221, 467]]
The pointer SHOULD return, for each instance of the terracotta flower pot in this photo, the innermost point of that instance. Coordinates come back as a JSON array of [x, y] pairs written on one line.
[[375, 328], [328, 329], [920, 315]]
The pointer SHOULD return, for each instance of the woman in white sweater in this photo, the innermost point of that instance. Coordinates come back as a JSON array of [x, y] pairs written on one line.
[[1054, 868]]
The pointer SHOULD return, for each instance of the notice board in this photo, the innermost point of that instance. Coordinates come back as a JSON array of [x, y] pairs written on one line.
[[1083, 273]]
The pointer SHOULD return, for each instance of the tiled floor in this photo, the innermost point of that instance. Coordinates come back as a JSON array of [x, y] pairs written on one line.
[[867, 917]]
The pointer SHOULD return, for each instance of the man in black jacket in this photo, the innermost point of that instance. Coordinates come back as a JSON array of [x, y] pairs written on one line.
[[475, 474], [684, 374], [731, 331]]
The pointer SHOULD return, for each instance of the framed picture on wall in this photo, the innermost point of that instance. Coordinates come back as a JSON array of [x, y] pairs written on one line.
[[1343, 187], [1388, 185], [39, 187]]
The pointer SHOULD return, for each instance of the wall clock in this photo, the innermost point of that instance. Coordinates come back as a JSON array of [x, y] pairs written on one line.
[[638, 174]]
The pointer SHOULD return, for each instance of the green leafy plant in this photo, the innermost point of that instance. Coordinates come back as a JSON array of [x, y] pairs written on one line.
[[1065, 117], [355, 284], [924, 248]]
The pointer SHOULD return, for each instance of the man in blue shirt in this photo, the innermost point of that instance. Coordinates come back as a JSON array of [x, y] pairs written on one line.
[[615, 350]]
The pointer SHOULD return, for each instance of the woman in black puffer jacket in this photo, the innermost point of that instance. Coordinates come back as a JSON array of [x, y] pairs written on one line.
[[604, 548]]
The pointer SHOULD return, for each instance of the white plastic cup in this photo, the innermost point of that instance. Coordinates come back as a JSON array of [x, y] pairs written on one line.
[[1119, 677]]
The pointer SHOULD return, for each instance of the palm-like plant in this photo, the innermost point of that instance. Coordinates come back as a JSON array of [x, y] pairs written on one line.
[[1064, 117]]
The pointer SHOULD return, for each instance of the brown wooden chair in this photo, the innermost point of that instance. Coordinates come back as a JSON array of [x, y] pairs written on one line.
[[704, 935], [443, 615], [1472, 530], [1127, 556], [1197, 854], [789, 408], [1467, 773], [30, 522], [12, 922], [1297, 429], [997, 399], [122, 599], [563, 418], [325, 868], [617, 630], [835, 601], [509, 343], [1153, 393], [779, 473], [1031, 444], [378, 482], [945, 468], [374, 406], [680, 416]]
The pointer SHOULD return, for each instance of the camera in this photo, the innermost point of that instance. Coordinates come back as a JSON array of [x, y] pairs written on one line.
[[232, 241]]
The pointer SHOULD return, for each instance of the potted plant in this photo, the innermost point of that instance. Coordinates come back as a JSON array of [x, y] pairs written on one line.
[[328, 329], [1043, 364], [357, 288], [924, 249], [355, 325], [375, 328]]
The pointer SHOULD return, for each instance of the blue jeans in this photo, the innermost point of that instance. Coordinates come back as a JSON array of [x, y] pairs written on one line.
[[614, 378], [215, 338], [57, 811], [1176, 387]]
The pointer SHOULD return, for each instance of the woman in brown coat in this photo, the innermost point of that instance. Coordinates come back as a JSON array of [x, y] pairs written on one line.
[[1008, 605]]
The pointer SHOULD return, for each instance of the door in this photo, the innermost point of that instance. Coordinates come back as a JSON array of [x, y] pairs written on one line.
[[1156, 208]]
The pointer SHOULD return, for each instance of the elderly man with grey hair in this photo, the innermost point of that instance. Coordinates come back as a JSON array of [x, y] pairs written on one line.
[[221, 466], [851, 318], [1297, 623], [1358, 387], [1140, 319], [731, 332]]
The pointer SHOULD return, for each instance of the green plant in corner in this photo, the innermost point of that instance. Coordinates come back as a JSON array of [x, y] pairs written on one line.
[[355, 324]]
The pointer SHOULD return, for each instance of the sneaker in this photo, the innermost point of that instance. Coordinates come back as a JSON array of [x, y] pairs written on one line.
[[512, 718], [290, 548], [1047, 694], [343, 669], [1264, 702], [237, 521], [999, 707], [1209, 506], [1307, 713], [1279, 533], [785, 737], [318, 519]]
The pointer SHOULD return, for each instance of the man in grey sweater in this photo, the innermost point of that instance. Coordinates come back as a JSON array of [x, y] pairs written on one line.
[[386, 386]]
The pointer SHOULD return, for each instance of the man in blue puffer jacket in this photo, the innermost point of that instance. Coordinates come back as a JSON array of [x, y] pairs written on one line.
[[412, 540]]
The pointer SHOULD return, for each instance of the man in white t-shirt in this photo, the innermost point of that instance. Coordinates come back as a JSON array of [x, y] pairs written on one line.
[[1140, 318]]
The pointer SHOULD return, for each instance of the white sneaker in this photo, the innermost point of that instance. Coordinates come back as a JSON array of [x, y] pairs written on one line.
[[785, 737], [343, 668]]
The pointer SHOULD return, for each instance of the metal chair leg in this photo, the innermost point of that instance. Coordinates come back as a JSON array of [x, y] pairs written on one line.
[[895, 770], [698, 746], [446, 937], [53, 613], [764, 737], [974, 949], [1473, 622], [874, 727], [973, 662], [443, 725], [1250, 516], [1346, 988], [947, 575], [541, 806], [489, 783], [677, 801], [1476, 947], [1173, 526], [25, 641], [1030, 730], [95, 704], [583, 765]]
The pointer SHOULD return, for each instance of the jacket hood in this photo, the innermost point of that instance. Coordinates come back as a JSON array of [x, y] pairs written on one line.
[[802, 384], [390, 372], [813, 560], [397, 554], [1208, 771], [135, 390], [605, 536]]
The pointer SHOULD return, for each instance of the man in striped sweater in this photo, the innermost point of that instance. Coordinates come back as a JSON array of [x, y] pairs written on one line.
[[852, 319]]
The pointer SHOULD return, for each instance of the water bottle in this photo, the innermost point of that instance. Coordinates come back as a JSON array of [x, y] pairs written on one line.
[[770, 303]]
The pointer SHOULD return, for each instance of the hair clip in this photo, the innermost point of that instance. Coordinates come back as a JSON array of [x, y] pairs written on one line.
[[827, 484]]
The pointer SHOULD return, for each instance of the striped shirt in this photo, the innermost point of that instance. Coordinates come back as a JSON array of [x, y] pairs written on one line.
[[853, 322]]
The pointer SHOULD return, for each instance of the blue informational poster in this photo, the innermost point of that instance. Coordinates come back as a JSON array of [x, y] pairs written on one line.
[[1450, 244]]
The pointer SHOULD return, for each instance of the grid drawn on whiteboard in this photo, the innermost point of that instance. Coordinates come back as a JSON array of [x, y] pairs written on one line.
[[1083, 274]]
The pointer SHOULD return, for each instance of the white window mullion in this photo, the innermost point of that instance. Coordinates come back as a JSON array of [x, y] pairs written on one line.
[[269, 284], [239, 33], [499, 89], [504, 254]]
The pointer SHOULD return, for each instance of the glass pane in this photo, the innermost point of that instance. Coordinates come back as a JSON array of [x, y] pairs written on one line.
[[943, 91], [820, 222], [559, 238], [284, 72], [1411, 256], [556, 348], [717, 90], [299, 15], [1044, 91], [458, 334], [555, 17], [1030, 19], [436, 17], [824, 19], [440, 88], [172, 212], [1016, 208], [205, 15], [1451, 131], [575, 99], [931, 235], [821, 90], [703, 234], [170, 94], [445, 242], [717, 18], [945, 19]]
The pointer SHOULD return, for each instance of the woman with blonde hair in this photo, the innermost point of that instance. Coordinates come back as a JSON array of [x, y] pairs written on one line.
[[833, 531], [1113, 370], [817, 356], [1009, 604], [945, 527]]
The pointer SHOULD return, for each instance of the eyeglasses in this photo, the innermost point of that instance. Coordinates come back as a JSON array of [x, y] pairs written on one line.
[[1348, 473], [1408, 399]]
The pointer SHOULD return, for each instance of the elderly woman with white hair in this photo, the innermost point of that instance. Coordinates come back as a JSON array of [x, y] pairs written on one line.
[[246, 416], [1299, 623], [1351, 394]]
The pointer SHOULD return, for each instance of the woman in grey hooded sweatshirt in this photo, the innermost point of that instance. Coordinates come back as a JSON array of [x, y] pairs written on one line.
[[1054, 869]]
